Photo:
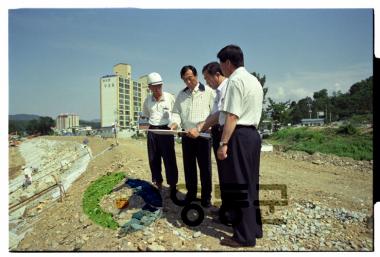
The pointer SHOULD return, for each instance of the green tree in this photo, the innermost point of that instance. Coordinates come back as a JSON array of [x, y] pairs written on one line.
[[357, 101], [361, 96], [280, 112], [300, 110], [32, 127], [42, 125], [45, 124], [321, 103], [262, 80]]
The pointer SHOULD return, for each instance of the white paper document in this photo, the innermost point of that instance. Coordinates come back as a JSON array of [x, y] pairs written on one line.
[[174, 132]]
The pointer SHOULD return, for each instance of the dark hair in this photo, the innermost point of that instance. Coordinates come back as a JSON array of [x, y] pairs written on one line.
[[212, 68], [232, 53], [188, 67]]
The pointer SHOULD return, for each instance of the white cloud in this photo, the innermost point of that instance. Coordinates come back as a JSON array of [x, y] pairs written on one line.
[[298, 85]]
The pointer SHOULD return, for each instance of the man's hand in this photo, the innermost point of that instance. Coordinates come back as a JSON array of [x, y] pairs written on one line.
[[200, 126], [222, 152], [173, 126], [193, 133]]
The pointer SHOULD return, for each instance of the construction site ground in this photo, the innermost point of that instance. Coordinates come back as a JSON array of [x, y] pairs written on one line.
[[329, 208]]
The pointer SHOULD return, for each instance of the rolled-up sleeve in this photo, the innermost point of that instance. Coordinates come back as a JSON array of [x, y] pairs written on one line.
[[234, 98], [175, 117]]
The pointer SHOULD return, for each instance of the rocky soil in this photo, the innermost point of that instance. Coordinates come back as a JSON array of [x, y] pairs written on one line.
[[327, 206]]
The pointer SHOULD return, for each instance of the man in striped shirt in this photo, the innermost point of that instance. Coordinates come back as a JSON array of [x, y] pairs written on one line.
[[193, 105]]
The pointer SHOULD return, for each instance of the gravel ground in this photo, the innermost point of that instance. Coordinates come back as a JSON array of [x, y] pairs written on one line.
[[329, 208]]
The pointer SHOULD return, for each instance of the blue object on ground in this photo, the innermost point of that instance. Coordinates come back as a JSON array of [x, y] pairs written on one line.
[[149, 212], [150, 194]]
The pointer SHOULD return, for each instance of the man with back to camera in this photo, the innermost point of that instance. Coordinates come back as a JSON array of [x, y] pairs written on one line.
[[193, 104], [240, 145], [157, 108]]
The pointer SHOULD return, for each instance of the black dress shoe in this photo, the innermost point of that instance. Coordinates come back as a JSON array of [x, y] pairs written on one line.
[[189, 199], [173, 189], [206, 204], [229, 241], [215, 212], [158, 185]]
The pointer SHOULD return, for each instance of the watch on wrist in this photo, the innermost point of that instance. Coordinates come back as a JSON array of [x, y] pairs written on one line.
[[221, 143]]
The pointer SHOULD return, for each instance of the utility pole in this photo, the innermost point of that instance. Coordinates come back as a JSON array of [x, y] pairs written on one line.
[[309, 105], [115, 128]]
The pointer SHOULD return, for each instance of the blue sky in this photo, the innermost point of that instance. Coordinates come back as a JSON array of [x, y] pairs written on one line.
[[56, 56]]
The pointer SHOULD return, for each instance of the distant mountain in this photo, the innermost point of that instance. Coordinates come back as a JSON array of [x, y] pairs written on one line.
[[23, 117], [95, 120], [92, 123]]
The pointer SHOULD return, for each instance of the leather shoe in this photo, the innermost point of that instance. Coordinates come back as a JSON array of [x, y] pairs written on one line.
[[172, 189], [229, 241], [158, 185], [190, 199], [206, 204], [214, 212]]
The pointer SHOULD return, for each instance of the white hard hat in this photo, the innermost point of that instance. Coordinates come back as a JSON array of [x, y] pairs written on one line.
[[154, 79]]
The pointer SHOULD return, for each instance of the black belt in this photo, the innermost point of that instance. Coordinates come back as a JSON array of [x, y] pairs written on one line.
[[216, 129], [217, 126], [239, 127], [158, 127]]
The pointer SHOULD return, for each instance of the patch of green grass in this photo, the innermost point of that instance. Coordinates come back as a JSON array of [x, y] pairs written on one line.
[[327, 140], [94, 194]]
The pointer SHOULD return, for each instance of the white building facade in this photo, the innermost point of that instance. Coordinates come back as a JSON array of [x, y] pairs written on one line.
[[67, 121], [121, 98]]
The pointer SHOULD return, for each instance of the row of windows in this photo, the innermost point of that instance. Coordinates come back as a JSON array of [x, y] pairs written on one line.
[[124, 117], [124, 80], [124, 101], [109, 85], [127, 109], [121, 90], [127, 91], [127, 97], [122, 96], [122, 123]]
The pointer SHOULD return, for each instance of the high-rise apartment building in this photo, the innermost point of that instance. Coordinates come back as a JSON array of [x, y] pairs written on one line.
[[67, 121], [121, 98]]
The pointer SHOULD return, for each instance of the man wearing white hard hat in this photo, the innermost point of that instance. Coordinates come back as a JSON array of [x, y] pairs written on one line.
[[157, 108]]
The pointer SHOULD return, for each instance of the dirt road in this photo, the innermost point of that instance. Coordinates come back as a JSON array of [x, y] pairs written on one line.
[[328, 208]]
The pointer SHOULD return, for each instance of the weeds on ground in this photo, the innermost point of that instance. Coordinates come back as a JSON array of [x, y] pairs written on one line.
[[94, 194]]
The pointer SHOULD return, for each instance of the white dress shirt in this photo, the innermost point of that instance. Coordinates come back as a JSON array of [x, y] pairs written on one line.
[[158, 112], [243, 98], [220, 92]]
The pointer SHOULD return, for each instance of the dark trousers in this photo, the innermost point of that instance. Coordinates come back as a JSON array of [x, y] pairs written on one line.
[[216, 134], [162, 146], [197, 150], [242, 167]]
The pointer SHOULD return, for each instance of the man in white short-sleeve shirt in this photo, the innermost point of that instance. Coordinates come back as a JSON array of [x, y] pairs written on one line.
[[240, 146], [157, 108]]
